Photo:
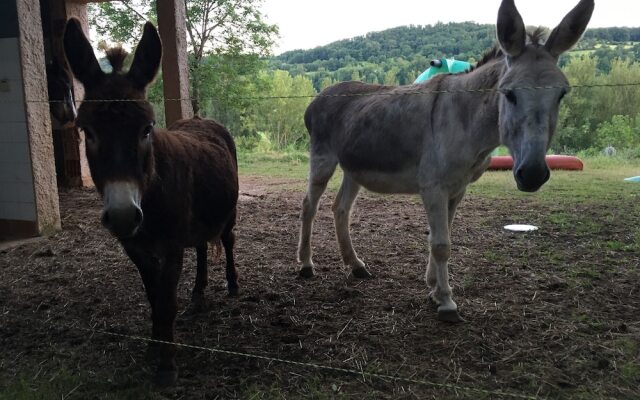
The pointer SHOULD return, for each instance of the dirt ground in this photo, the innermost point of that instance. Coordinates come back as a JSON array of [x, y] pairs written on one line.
[[552, 314]]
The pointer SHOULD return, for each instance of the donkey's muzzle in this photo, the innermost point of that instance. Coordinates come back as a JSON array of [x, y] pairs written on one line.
[[122, 214], [122, 222], [531, 178]]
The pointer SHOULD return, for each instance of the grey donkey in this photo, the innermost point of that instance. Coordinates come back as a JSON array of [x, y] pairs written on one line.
[[434, 144]]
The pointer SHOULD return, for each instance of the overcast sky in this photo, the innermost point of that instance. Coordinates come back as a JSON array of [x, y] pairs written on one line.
[[306, 24]]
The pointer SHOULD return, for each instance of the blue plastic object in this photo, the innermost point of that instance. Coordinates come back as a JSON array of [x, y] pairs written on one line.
[[443, 66], [635, 179]]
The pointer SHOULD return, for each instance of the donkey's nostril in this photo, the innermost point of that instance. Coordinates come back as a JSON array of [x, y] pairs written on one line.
[[121, 213], [105, 219], [122, 222], [547, 176], [138, 217], [531, 178], [520, 175]]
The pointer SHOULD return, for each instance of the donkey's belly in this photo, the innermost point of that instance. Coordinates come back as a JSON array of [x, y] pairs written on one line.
[[388, 182]]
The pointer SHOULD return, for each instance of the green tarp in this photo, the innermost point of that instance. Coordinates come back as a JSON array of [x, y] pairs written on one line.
[[443, 66]]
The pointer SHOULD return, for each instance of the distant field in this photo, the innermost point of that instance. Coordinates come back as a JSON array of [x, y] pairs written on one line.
[[586, 52], [601, 174]]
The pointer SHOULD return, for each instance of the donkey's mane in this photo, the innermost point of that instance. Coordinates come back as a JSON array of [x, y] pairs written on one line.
[[116, 57], [536, 37]]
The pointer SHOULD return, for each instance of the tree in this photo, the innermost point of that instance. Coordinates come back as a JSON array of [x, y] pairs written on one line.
[[121, 21], [576, 118], [281, 116], [594, 117], [621, 132], [230, 29], [623, 100], [326, 82], [227, 30], [391, 76]]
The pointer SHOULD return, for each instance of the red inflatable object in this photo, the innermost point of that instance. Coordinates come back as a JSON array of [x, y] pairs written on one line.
[[570, 163]]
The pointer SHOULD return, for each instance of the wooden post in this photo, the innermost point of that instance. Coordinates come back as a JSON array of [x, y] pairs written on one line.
[[73, 167], [37, 112], [175, 66]]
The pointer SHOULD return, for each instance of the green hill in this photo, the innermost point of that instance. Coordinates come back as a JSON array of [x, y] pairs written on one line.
[[398, 55], [462, 40]]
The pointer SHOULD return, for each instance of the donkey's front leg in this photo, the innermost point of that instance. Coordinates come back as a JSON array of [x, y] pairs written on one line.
[[437, 205], [163, 315], [431, 277]]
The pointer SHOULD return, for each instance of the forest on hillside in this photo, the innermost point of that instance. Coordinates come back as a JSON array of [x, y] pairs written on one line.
[[399, 55], [262, 98]]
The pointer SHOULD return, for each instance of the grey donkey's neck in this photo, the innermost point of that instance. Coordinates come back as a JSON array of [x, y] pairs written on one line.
[[475, 97]]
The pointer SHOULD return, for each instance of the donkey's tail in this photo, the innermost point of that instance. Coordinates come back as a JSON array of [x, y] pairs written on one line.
[[307, 119]]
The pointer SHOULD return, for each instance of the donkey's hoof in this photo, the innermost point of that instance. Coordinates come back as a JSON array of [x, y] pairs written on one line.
[[451, 316], [166, 378], [361, 273], [306, 272], [198, 299], [434, 303], [196, 307], [152, 352], [234, 291]]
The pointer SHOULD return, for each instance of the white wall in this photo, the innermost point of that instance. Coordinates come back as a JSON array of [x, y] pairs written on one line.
[[17, 200]]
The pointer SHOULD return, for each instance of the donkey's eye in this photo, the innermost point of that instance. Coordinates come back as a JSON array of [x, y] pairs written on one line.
[[88, 134], [148, 130], [511, 97]]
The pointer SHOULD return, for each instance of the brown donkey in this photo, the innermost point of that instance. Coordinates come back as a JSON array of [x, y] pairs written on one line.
[[163, 190], [61, 102]]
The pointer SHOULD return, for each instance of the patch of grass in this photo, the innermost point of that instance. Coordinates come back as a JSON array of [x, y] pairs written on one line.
[[553, 257], [586, 273], [289, 166], [604, 182], [630, 371], [629, 368], [313, 387], [274, 165], [619, 246], [600, 182], [628, 346], [25, 388], [527, 376], [493, 256], [590, 324], [63, 384], [561, 219]]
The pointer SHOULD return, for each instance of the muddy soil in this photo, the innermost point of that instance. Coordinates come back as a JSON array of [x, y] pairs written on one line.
[[553, 313]]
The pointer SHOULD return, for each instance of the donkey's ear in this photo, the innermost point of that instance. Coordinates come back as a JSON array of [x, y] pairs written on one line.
[[80, 56], [146, 61], [511, 30], [565, 35]]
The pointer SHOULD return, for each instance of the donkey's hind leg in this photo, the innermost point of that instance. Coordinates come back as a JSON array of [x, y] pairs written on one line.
[[228, 240], [202, 275], [341, 214], [320, 171]]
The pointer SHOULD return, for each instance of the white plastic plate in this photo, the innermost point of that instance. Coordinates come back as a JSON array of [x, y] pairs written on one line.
[[521, 228]]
